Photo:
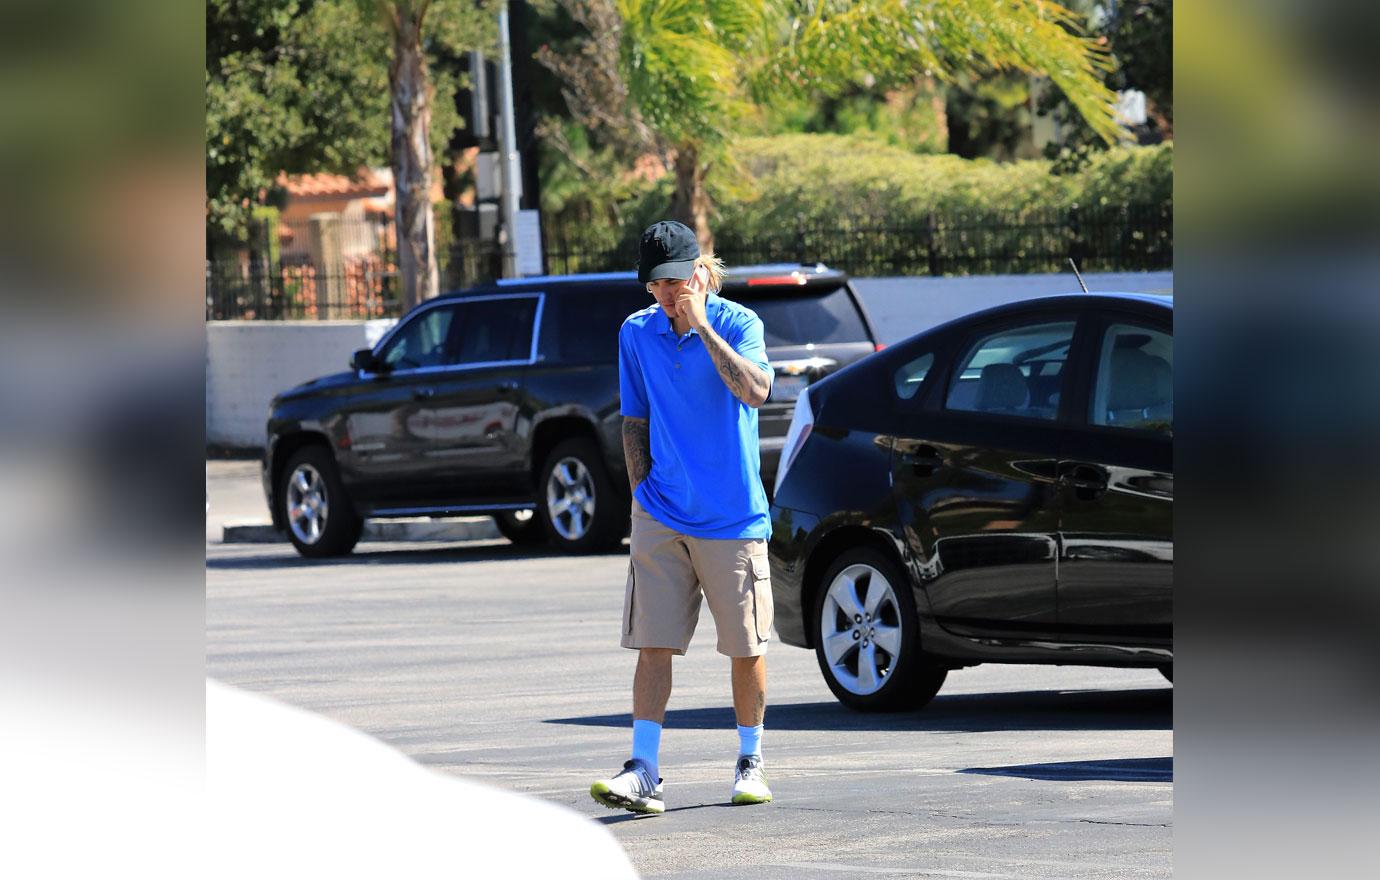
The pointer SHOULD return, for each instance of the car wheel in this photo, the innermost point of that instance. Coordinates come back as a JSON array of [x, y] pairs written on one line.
[[522, 527], [1167, 670], [867, 638], [579, 508], [320, 519]]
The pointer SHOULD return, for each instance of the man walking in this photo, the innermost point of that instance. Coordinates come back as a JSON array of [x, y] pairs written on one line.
[[693, 370]]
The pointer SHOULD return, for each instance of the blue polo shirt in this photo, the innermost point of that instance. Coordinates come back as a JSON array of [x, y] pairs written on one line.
[[706, 463]]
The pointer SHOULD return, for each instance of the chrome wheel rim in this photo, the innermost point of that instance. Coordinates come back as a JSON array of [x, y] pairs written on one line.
[[860, 629], [307, 508], [570, 499]]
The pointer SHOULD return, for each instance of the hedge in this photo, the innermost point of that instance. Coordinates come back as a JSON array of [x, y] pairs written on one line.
[[814, 189]]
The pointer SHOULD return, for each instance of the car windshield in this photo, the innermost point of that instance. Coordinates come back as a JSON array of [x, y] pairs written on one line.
[[798, 319]]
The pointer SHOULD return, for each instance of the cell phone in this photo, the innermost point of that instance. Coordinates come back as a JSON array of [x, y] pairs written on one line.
[[698, 281]]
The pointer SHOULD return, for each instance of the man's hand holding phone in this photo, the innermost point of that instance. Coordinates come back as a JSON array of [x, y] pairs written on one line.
[[690, 300]]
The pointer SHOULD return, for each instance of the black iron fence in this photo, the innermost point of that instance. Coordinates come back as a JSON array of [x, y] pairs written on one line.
[[330, 270]]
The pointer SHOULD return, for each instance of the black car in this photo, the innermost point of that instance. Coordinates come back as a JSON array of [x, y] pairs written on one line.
[[503, 400], [998, 489]]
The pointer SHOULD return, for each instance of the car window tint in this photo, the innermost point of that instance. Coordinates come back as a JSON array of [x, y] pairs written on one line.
[[1015, 372], [493, 331], [421, 342], [582, 327], [912, 375], [1134, 387], [798, 319]]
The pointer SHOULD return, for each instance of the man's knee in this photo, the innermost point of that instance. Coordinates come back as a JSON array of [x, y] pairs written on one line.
[[655, 655]]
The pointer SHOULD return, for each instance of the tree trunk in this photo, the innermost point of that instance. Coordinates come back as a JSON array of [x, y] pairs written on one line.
[[410, 85], [690, 202]]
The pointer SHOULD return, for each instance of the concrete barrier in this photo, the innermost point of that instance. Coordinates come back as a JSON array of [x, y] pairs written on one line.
[[247, 362]]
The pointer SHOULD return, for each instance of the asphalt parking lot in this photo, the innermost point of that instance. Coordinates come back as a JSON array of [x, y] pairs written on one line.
[[502, 665]]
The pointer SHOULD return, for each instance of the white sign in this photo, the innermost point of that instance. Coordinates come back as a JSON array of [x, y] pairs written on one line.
[[1130, 107], [527, 242]]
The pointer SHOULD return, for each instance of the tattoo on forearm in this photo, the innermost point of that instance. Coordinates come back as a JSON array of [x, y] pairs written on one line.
[[748, 382], [637, 450]]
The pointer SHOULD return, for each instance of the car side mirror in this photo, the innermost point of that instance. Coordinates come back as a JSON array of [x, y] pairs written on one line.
[[364, 361]]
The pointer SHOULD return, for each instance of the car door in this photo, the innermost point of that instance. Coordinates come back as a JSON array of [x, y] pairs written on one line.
[[477, 415], [388, 424], [1116, 479], [973, 473]]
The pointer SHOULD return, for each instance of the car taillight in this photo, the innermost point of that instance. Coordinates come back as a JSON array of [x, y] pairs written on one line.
[[802, 420], [793, 278], [878, 346]]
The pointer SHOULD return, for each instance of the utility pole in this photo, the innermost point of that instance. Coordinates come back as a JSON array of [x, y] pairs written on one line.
[[507, 145]]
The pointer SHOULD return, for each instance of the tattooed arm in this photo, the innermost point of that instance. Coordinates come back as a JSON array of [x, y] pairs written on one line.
[[748, 381], [637, 450]]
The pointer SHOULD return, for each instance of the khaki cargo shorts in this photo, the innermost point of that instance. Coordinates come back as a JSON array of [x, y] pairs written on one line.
[[669, 572]]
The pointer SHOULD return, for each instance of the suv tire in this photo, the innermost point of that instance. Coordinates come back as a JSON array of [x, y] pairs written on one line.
[[523, 530], [578, 506], [327, 525], [903, 677]]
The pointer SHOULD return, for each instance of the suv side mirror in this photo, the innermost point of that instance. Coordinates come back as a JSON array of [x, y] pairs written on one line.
[[365, 361]]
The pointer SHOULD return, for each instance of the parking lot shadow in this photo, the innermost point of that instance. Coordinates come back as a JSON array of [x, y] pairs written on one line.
[[471, 551], [1139, 709], [1120, 770]]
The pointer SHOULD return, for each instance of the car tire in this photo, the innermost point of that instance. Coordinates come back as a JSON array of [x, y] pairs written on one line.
[[903, 677], [1167, 670], [578, 505], [522, 527], [329, 526]]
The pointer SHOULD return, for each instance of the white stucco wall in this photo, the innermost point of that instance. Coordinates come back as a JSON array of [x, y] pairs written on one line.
[[247, 362]]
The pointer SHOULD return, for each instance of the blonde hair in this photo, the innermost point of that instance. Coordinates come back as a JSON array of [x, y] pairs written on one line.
[[716, 269], [711, 264]]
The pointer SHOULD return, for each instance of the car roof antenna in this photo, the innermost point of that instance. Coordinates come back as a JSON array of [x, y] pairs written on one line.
[[1076, 275]]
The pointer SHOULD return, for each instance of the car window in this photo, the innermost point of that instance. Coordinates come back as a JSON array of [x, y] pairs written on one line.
[[1017, 371], [1134, 386], [581, 327], [814, 317], [912, 375], [493, 331], [421, 342]]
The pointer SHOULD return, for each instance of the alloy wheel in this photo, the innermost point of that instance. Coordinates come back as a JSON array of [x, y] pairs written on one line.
[[570, 498], [307, 507], [860, 629]]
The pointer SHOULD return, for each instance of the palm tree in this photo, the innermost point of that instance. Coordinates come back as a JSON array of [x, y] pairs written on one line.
[[691, 69], [459, 25]]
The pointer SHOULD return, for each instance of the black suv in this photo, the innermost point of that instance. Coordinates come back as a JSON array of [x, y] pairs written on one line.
[[503, 400]]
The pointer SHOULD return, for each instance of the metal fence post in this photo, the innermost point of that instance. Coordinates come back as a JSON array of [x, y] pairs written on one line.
[[1075, 236]]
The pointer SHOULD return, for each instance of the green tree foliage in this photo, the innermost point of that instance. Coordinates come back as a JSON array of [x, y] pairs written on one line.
[[908, 116], [1143, 40], [687, 74], [301, 86], [826, 181], [1140, 38]]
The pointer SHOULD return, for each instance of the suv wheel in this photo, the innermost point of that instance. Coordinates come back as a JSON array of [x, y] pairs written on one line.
[[577, 503], [520, 526], [867, 637], [320, 519]]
